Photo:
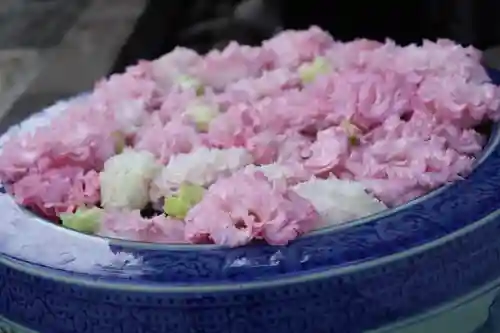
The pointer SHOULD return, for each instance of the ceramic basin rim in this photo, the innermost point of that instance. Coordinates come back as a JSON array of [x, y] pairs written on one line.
[[228, 286]]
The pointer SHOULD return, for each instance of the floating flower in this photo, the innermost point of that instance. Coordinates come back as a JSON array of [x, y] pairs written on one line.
[[130, 225], [329, 151], [290, 173], [248, 206], [167, 140], [126, 178], [339, 201], [57, 191], [202, 167], [167, 69]]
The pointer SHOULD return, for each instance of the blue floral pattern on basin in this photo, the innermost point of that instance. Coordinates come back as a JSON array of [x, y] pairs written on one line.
[[353, 278]]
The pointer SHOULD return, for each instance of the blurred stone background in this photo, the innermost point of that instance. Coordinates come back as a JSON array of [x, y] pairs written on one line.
[[53, 49]]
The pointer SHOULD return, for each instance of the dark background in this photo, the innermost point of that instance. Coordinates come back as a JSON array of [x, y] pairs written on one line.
[[204, 24]]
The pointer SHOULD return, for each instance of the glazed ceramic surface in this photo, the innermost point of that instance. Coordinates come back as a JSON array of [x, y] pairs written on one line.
[[425, 263]]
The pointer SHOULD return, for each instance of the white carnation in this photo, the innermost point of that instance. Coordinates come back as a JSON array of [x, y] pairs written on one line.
[[339, 201], [273, 171], [126, 178], [203, 166]]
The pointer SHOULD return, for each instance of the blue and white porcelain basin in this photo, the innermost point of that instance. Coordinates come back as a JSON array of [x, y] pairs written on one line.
[[431, 265]]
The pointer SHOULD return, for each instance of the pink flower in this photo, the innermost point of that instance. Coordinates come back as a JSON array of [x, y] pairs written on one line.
[[393, 166], [271, 83], [355, 54], [296, 47], [81, 137], [442, 58], [57, 190], [132, 226], [328, 152], [264, 147], [85, 190], [294, 148], [394, 191], [175, 103], [235, 62], [455, 99], [289, 113], [178, 62], [367, 98], [166, 140], [297, 209], [248, 206], [136, 84], [233, 128]]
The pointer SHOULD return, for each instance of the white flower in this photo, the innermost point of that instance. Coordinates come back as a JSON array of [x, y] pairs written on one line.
[[278, 172], [339, 201], [126, 178], [203, 166]]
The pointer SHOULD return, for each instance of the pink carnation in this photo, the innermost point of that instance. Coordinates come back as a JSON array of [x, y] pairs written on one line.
[[270, 84], [166, 140], [291, 112], [248, 206], [264, 147], [455, 99], [175, 104], [329, 152], [411, 165], [180, 61], [442, 58], [136, 84], [132, 226], [57, 190], [366, 98], [233, 128], [235, 62], [82, 138], [296, 47]]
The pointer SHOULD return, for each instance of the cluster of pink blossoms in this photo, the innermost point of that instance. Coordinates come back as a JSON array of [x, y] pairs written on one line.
[[268, 132]]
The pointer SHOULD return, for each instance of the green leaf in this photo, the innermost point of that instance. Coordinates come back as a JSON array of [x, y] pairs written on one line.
[[86, 220], [189, 82], [191, 193], [176, 207], [309, 71], [202, 115]]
